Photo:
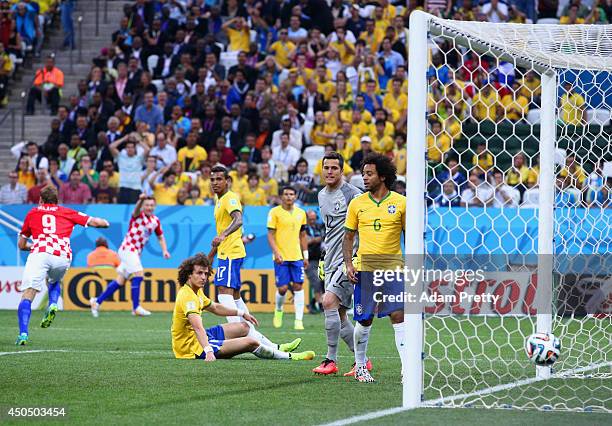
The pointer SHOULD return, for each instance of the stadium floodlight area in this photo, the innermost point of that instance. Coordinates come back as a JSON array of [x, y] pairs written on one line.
[[544, 246]]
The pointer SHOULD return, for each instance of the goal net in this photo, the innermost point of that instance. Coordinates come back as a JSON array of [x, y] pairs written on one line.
[[513, 122]]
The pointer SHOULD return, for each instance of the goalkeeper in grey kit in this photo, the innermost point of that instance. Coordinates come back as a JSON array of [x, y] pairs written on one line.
[[334, 199]]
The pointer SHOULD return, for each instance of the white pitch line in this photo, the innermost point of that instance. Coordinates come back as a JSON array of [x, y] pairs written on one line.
[[432, 402], [83, 352]]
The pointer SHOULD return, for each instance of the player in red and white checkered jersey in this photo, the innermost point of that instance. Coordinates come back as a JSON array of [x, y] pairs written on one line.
[[50, 226], [142, 224]]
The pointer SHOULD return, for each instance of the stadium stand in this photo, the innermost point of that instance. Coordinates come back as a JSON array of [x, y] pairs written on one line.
[[180, 86]]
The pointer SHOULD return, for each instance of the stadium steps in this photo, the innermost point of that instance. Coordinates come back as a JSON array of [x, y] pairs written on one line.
[[37, 127]]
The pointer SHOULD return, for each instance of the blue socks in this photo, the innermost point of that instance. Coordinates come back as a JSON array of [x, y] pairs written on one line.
[[54, 293], [23, 315], [136, 281], [112, 287]]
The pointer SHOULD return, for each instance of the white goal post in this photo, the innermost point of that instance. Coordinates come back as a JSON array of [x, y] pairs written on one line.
[[550, 51]]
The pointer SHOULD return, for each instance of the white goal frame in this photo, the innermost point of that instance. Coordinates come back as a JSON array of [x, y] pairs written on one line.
[[421, 25]]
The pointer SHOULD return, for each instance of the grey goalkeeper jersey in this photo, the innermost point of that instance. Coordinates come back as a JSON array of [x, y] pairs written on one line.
[[333, 207]]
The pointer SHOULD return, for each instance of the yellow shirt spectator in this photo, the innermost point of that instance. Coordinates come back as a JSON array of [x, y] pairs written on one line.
[[204, 185], [484, 105], [346, 52], [196, 202], [239, 184], [270, 187], [516, 109], [572, 108], [281, 51], [399, 157], [437, 146], [239, 40], [483, 159], [389, 129], [392, 103], [382, 144], [165, 195], [374, 39], [521, 176], [190, 158], [326, 88], [254, 197]]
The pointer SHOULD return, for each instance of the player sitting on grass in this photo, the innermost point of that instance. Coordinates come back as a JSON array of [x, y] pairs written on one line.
[[50, 227], [189, 337]]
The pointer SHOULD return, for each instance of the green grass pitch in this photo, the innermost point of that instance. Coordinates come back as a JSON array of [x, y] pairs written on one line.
[[118, 369]]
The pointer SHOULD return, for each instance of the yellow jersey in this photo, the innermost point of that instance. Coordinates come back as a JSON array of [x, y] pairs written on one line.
[[346, 57], [204, 185], [270, 187], [185, 344], [165, 195], [254, 198], [239, 40], [391, 103], [196, 202], [239, 184], [190, 158], [282, 51], [287, 225], [485, 107], [572, 106], [382, 144], [232, 247], [379, 224], [437, 146], [399, 157]]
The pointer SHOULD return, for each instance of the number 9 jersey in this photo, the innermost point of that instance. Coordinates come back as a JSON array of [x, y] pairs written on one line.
[[50, 227], [379, 224]]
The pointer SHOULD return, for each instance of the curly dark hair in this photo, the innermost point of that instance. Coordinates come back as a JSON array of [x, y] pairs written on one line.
[[188, 265], [384, 167]]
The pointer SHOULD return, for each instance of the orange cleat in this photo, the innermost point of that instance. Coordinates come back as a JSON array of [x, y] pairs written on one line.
[[326, 368], [352, 372]]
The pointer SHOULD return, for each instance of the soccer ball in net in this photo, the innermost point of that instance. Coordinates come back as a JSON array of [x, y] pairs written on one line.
[[543, 348]]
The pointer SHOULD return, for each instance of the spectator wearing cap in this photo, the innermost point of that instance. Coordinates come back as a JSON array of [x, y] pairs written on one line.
[[102, 257], [48, 81], [74, 191], [358, 156], [31, 152], [13, 192]]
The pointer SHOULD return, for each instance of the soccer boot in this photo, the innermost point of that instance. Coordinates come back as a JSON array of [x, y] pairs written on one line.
[[49, 316], [95, 307], [363, 375], [352, 372], [141, 312], [327, 367], [298, 325], [291, 346], [22, 339], [277, 322], [302, 356]]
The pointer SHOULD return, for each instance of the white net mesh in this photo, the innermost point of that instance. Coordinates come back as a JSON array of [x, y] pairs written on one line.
[[483, 145]]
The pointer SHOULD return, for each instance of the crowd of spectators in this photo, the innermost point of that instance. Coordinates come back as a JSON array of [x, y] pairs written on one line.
[[253, 85]]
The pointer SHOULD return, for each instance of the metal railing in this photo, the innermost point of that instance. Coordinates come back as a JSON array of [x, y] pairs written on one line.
[[9, 113]]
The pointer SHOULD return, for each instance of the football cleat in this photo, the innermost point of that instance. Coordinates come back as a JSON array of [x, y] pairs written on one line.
[[327, 367], [302, 356], [291, 346], [95, 307], [22, 339], [352, 372], [49, 316], [141, 312], [363, 375], [277, 322], [298, 325]]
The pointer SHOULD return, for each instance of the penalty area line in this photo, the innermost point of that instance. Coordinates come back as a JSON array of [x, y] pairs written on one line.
[[70, 351], [439, 401]]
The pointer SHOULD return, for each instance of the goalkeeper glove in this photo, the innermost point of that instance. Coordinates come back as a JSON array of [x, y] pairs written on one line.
[[321, 270]]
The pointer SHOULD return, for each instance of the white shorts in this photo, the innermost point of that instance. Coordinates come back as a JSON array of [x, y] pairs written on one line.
[[41, 266], [130, 263]]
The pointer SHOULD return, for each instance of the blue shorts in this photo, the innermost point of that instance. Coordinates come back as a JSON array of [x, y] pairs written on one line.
[[216, 337], [228, 273], [289, 272], [367, 294]]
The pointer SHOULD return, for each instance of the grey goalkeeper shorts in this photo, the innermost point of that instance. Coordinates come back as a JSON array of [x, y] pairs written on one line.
[[339, 284]]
